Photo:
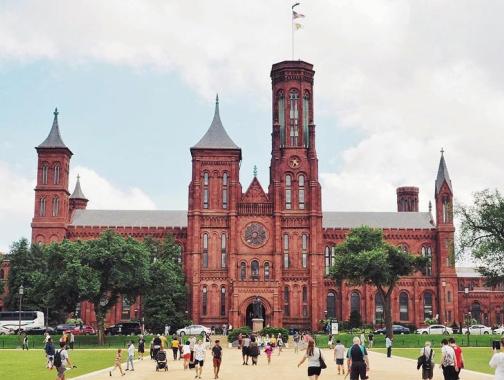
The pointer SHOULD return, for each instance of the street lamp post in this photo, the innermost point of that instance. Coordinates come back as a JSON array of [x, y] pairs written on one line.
[[21, 292], [443, 284]]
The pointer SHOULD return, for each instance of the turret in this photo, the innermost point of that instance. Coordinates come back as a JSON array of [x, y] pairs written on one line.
[[407, 199], [78, 200]]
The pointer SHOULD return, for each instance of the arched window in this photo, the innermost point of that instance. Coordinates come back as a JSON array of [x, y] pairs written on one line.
[[281, 117], [205, 250], [45, 170], [476, 311], [294, 118], [225, 190], [355, 302], [304, 250], [204, 301], [427, 253], [404, 247], [223, 251], [56, 177], [331, 305], [254, 269], [427, 305], [206, 181], [446, 210], [126, 309], [327, 260], [304, 300], [223, 301], [288, 192], [306, 118], [286, 301], [403, 306], [42, 210], [266, 271], [378, 308], [301, 192], [286, 250], [55, 206], [243, 271]]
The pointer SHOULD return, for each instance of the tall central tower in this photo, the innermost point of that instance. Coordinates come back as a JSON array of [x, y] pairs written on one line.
[[296, 193]]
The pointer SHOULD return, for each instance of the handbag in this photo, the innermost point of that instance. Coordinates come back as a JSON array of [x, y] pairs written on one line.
[[323, 364]]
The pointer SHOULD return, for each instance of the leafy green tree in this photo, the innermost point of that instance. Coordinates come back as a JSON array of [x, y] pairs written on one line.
[[165, 297], [365, 258], [482, 233], [355, 319]]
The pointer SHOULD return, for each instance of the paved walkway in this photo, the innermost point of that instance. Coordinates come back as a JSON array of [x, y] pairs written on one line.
[[283, 367]]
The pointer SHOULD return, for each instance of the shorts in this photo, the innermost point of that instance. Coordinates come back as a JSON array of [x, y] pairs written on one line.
[[340, 361], [141, 350], [186, 356], [61, 370], [245, 350], [217, 362], [199, 363], [314, 371]]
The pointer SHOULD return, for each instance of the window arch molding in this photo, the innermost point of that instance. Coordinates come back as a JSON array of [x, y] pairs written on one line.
[[428, 301], [331, 297], [404, 298], [267, 271], [56, 173], [355, 301], [301, 182], [45, 173], [243, 270], [426, 251], [254, 269]]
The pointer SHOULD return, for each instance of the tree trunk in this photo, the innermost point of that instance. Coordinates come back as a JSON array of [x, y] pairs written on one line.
[[387, 310], [100, 320]]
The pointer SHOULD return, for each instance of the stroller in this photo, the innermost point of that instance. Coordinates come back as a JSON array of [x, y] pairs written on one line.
[[161, 361]]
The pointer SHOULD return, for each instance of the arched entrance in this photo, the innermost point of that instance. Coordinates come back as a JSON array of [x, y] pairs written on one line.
[[247, 311], [249, 314]]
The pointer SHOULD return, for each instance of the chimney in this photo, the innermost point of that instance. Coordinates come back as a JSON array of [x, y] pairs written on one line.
[[407, 199]]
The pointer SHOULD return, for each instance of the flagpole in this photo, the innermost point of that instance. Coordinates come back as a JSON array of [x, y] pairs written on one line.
[[292, 27]]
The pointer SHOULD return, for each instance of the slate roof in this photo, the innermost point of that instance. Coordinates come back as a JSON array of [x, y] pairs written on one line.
[[54, 139], [467, 272], [77, 193], [178, 218], [443, 175], [216, 136]]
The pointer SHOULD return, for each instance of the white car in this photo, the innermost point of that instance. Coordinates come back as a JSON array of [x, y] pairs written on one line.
[[5, 331], [477, 330], [435, 330], [499, 330], [193, 330]]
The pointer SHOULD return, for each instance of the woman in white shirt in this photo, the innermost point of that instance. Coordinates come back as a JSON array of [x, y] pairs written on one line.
[[186, 354], [313, 354], [497, 362]]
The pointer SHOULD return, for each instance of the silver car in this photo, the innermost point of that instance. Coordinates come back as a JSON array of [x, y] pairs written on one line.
[[193, 330], [477, 330], [435, 330]]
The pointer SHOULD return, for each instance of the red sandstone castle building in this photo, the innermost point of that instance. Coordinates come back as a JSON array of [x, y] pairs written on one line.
[[275, 243]]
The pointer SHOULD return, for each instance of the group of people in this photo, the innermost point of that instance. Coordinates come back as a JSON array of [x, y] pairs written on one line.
[[58, 359]]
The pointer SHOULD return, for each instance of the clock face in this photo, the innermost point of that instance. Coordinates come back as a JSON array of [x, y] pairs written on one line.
[[294, 162], [255, 235]]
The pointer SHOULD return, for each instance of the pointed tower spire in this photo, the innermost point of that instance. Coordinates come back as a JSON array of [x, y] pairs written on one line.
[[255, 171], [54, 139], [77, 193], [443, 175]]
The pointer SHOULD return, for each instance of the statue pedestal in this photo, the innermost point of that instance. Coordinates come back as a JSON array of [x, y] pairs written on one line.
[[257, 324]]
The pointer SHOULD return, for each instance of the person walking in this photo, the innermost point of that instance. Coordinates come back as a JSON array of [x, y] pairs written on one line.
[[186, 354], [268, 350], [141, 347], [117, 363], [388, 346], [339, 356], [131, 356], [61, 361], [459, 356], [25, 342], [199, 358], [428, 361], [370, 340], [156, 346], [330, 342], [296, 342], [280, 343], [358, 361], [245, 350], [175, 347], [217, 358], [253, 350], [72, 340], [49, 350], [314, 356], [448, 361], [497, 361], [363, 339]]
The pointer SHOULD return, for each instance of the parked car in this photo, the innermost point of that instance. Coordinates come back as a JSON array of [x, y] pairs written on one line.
[[38, 330], [477, 330], [60, 329], [193, 330], [435, 330], [499, 330], [5, 331], [85, 330], [124, 328], [396, 329]]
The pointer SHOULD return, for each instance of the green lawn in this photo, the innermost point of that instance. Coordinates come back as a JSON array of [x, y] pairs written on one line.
[[37, 341], [475, 359], [30, 365]]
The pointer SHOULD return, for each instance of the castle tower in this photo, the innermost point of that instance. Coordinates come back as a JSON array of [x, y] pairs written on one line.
[[294, 186], [407, 199], [214, 193], [51, 192], [78, 200]]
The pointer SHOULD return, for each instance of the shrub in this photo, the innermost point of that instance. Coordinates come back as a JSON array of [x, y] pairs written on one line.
[[275, 331], [355, 319], [233, 334]]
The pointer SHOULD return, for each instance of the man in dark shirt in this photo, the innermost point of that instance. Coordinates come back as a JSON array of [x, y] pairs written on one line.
[[358, 361], [217, 358]]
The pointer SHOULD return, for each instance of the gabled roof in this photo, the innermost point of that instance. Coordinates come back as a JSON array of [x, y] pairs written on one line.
[[54, 139], [77, 193], [216, 136], [255, 193], [442, 175]]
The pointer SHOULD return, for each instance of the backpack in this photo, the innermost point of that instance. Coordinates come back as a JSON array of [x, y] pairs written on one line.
[[57, 362]]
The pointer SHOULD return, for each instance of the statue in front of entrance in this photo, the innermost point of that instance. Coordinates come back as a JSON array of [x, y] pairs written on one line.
[[257, 308]]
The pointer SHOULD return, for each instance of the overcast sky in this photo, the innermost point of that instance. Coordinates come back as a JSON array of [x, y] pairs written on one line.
[[135, 81]]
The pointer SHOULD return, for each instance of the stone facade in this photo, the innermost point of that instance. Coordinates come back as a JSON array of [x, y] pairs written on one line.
[[275, 245]]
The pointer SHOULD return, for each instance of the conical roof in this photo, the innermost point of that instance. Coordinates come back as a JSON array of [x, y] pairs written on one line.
[[442, 175], [216, 136], [77, 193], [54, 139]]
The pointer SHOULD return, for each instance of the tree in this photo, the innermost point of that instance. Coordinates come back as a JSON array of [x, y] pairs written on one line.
[[165, 297], [355, 319], [364, 258], [482, 234]]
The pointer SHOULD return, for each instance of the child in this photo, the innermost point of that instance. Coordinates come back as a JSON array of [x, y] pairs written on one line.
[[339, 356], [268, 350], [117, 363], [49, 350]]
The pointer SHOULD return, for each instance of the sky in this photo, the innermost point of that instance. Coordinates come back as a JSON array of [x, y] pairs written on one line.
[[135, 83]]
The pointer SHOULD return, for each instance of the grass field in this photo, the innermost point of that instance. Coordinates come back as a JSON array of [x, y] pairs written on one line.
[[30, 365], [36, 341], [475, 359]]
